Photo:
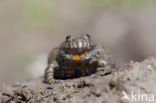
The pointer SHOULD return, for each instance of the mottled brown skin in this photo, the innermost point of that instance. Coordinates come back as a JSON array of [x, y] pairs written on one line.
[[76, 57]]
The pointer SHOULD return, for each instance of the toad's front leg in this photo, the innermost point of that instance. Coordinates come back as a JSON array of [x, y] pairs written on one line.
[[49, 73]]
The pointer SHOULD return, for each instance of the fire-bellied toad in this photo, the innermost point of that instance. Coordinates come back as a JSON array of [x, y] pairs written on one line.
[[75, 57]]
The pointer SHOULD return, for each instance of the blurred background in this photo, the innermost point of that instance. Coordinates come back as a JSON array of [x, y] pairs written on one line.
[[29, 29]]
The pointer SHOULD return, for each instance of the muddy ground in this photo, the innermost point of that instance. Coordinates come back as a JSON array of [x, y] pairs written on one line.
[[106, 86]]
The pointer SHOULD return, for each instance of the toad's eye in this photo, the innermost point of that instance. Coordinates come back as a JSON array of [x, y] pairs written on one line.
[[69, 38], [86, 36]]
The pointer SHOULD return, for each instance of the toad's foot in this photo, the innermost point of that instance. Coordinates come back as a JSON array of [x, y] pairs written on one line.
[[49, 78]]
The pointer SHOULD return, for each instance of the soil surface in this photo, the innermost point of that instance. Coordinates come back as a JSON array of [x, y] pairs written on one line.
[[105, 86]]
